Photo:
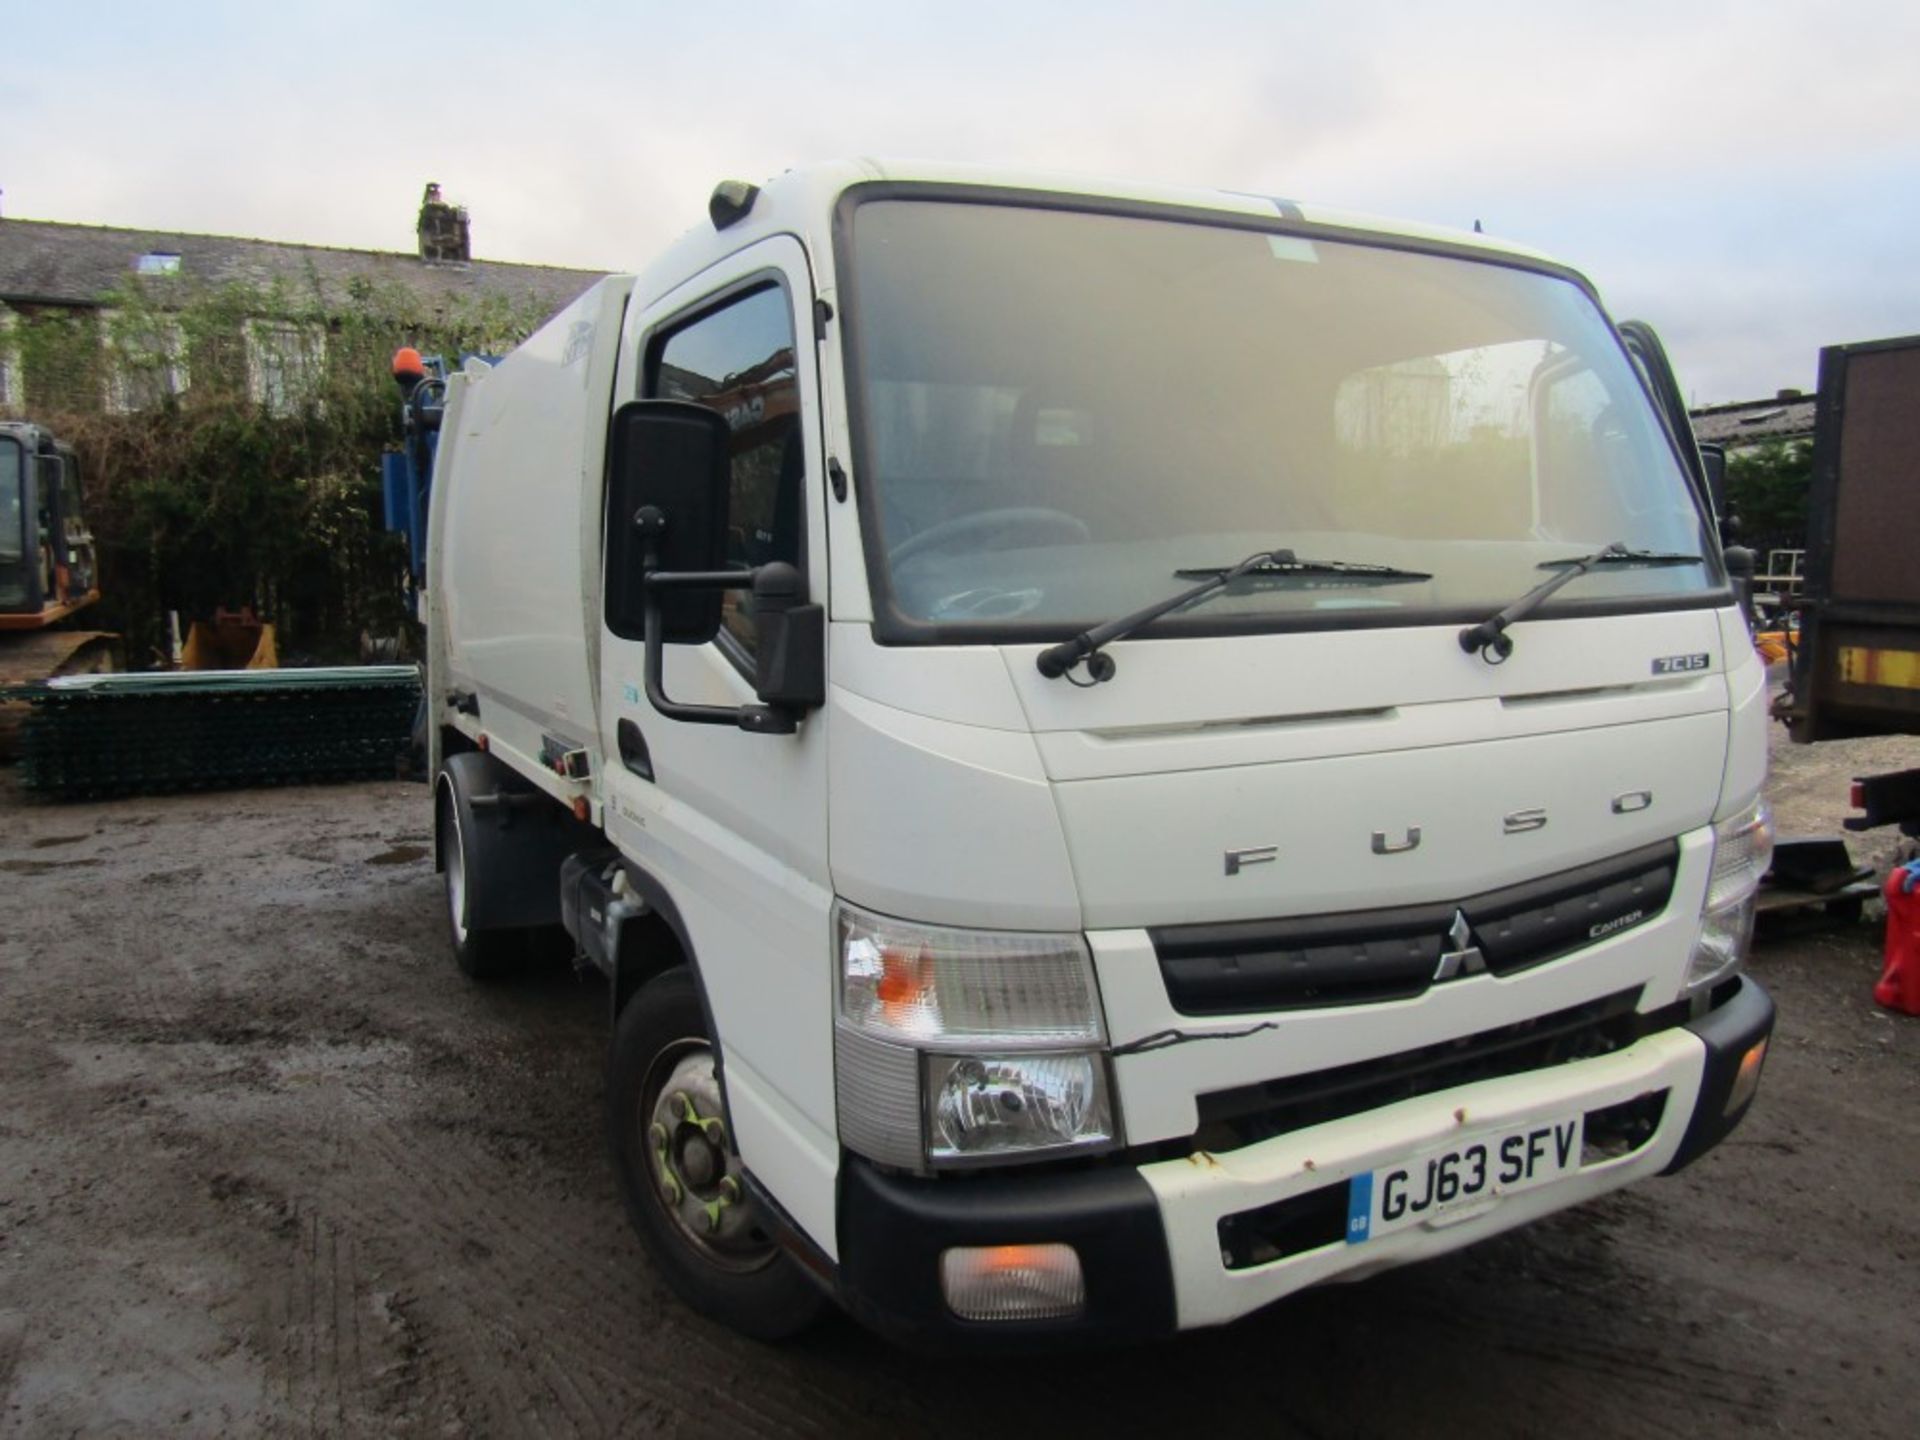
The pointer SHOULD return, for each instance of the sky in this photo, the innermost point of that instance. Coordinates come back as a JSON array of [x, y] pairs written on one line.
[[1746, 176]]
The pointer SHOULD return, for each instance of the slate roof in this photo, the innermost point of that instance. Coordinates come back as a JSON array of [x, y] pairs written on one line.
[[1755, 422], [48, 262]]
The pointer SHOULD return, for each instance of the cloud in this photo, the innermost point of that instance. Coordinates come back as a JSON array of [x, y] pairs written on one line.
[[1736, 171]]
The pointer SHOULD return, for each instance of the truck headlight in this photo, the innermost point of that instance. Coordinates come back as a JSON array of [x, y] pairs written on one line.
[[1742, 850], [956, 1047], [989, 1108]]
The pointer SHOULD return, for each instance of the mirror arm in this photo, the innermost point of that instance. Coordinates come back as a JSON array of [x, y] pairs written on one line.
[[760, 719]]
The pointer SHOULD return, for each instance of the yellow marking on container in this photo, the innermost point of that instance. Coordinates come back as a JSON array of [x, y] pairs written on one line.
[[1893, 669]]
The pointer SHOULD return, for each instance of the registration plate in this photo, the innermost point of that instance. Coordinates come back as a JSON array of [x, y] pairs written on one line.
[[1465, 1173]]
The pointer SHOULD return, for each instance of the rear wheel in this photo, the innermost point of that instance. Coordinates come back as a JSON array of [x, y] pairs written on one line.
[[683, 1181], [480, 954]]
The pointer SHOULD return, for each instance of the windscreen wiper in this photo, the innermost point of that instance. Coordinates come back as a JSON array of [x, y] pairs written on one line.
[[1489, 639], [1617, 554], [1057, 660], [1283, 563]]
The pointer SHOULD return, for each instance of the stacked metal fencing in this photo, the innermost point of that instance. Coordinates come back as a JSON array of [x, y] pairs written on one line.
[[92, 736]]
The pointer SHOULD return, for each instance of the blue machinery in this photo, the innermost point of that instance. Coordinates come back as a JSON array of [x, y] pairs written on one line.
[[406, 474]]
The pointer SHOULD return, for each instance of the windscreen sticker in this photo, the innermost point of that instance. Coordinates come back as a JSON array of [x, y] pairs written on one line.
[[1292, 247]]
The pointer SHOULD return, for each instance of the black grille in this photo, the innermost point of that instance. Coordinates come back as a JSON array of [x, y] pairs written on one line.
[[1248, 1114], [1370, 955], [1541, 920]]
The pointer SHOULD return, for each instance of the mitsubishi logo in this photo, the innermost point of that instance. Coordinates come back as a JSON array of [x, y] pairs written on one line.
[[1465, 957]]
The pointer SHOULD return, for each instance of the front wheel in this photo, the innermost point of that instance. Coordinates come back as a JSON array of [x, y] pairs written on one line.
[[682, 1176]]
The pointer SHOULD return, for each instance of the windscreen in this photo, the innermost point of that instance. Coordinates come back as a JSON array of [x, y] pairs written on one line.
[[13, 527], [1061, 411]]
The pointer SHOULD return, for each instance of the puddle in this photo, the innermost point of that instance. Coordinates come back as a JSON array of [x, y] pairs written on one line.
[[399, 855]]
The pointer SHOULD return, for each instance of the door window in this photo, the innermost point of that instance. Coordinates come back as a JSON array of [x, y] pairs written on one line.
[[13, 527], [739, 360]]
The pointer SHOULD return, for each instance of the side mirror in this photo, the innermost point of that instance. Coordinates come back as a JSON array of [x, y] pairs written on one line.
[[669, 456], [1740, 567], [1713, 464], [1713, 461], [669, 466]]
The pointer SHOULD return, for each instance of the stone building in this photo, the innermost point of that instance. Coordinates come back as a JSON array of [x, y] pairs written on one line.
[[1746, 423], [63, 289]]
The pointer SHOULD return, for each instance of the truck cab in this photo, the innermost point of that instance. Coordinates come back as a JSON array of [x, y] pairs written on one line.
[[1125, 751]]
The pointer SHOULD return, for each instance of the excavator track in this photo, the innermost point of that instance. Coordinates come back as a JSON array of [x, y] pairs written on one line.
[[41, 655]]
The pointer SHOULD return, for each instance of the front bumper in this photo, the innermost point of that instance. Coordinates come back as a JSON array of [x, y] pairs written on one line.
[[1151, 1239]]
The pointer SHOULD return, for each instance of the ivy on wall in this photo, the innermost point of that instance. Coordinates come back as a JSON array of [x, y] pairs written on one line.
[[1768, 487], [230, 441]]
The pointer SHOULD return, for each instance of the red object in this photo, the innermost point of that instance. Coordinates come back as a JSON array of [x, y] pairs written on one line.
[[407, 364], [1899, 987]]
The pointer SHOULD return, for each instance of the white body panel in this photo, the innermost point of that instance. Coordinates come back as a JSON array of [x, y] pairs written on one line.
[[517, 506], [1149, 849]]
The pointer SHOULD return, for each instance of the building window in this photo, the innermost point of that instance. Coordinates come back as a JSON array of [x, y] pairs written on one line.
[[147, 362], [284, 364]]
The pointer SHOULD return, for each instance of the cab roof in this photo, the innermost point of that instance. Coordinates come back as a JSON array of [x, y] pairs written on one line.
[[802, 202]]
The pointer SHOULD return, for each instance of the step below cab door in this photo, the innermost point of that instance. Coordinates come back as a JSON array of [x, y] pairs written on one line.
[[733, 824]]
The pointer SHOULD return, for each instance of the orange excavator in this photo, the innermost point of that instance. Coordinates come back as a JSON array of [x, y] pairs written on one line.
[[47, 572]]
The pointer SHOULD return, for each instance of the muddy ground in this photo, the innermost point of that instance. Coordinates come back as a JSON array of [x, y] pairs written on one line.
[[267, 1164]]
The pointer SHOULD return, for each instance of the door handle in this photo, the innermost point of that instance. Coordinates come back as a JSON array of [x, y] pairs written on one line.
[[633, 749]]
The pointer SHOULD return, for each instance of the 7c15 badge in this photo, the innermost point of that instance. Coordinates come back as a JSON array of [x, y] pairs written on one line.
[[1681, 664]]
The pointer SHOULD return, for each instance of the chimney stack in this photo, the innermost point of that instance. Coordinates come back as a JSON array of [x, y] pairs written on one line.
[[445, 237]]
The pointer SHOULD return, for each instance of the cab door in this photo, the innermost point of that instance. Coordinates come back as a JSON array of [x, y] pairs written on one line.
[[732, 825]]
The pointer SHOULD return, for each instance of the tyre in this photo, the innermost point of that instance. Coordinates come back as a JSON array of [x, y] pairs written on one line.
[[681, 1177], [480, 954]]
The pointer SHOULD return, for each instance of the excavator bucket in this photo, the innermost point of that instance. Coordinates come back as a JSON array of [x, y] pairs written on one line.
[[232, 640]]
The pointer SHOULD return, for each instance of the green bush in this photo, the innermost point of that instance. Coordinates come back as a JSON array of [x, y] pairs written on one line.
[[242, 487], [1767, 487]]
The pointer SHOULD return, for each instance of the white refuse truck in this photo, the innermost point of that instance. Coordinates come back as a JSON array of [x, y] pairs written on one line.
[[1123, 751]]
